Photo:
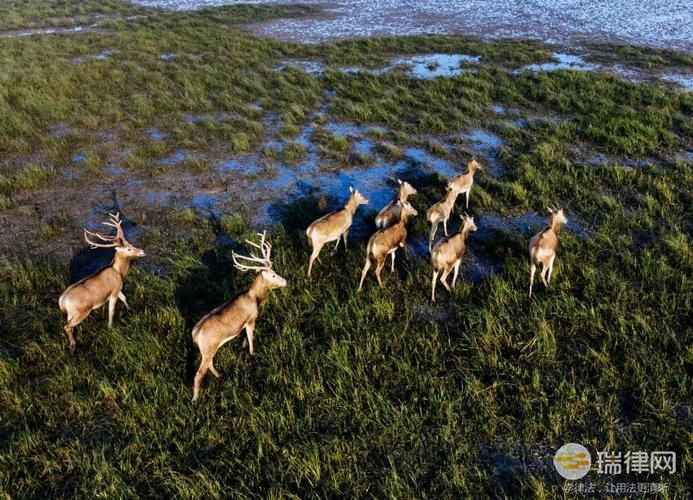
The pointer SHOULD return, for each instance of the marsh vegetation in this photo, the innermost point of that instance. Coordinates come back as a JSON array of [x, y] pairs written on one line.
[[194, 131]]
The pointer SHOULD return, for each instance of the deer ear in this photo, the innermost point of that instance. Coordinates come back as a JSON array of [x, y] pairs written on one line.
[[351, 189], [399, 181]]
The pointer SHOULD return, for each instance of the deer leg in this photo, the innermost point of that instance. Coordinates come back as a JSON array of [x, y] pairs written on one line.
[[445, 225], [249, 330], [467, 195], [443, 279], [532, 270], [111, 310], [313, 256], [434, 229], [122, 298], [334, 251], [214, 370], [457, 270], [544, 270], [392, 267], [378, 271], [433, 285], [200, 375], [345, 236], [72, 322], [548, 279], [366, 267]]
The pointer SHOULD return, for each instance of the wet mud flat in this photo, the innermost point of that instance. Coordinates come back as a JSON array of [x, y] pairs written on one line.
[[658, 23]]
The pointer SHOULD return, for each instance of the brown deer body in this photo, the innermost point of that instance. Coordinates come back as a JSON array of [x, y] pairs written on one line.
[[447, 254], [463, 183], [386, 242], [227, 321], [333, 226], [105, 285], [543, 247], [391, 212], [440, 212]]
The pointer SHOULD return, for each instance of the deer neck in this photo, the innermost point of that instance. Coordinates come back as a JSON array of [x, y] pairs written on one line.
[[121, 264], [351, 205], [259, 289], [402, 195], [556, 227]]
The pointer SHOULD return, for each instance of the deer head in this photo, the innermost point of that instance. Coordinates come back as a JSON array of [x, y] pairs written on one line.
[[474, 165], [358, 198], [407, 210], [557, 216], [467, 223], [262, 264], [122, 246], [405, 188]]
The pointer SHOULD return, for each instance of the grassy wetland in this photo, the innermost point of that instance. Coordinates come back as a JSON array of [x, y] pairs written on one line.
[[201, 133]]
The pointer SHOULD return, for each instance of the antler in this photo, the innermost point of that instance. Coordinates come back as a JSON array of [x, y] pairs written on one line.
[[111, 241], [265, 262]]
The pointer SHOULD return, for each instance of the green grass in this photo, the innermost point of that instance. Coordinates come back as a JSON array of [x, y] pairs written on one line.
[[378, 394]]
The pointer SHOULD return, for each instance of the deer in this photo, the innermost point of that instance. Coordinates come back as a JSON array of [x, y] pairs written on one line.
[[543, 247], [391, 212], [386, 242], [333, 226], [440, 212], [105, 285], [463, 183], [227, 321], [447, 255]]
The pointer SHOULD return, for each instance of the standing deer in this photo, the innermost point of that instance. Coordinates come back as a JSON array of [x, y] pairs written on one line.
[[333, 226], [391, 212], [441, 212], [227, 321], [463, 183], [386, 242], [543, 247], [106, 284], [447, 255]]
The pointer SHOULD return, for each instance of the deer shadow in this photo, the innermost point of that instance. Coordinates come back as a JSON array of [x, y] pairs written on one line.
[[205, 288]]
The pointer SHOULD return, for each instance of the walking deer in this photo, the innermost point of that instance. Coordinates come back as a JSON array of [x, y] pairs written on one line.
[[386, 242], [333, 226], [543, 247], [440, 212], [391, 212], [463, 183], [447, 255], [105, 285], [227, 321]]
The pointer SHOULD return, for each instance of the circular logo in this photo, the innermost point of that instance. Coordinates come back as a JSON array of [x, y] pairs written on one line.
[[572, 461]]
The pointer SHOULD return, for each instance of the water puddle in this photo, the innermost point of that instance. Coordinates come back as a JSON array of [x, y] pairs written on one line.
[[308, 66], [167, 56], [560, 61], [487, 145], [430, 66], [156, 135], [683, 80]]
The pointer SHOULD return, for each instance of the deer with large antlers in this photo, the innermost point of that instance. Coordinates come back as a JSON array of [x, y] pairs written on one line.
[[105, 285], [463, 183], [543, 247], [447, 254], [440, 212], [391, 212], [227, 321], [386, 242], [333, 226]]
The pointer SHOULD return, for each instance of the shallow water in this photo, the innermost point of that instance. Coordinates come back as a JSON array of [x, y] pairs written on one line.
[[661, 23], [561, 61]]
